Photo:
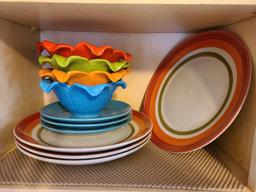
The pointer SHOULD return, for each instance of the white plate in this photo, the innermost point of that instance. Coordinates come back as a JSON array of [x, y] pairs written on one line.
[[57, 155], [84, 140], [81, 162]]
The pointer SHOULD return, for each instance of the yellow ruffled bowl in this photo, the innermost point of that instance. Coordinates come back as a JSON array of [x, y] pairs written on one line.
[[84, 78]]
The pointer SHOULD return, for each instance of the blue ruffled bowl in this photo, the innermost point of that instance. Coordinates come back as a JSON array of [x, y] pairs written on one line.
[[81, 99]]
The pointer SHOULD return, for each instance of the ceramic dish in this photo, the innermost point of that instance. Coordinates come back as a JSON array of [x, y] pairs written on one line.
[[80, 162], [82, 99], [60, 140], [113, 111], [29, 131], [83, 78], [198, 90], [59, 155], [84, 49], [77, 63], [85, 126], [72, 130]]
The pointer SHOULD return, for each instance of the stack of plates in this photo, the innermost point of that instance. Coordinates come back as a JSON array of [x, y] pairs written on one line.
[[59, 137], [56, 118]]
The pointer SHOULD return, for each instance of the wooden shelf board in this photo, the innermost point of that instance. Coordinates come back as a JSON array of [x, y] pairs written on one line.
[[108, 16], [168, 2]]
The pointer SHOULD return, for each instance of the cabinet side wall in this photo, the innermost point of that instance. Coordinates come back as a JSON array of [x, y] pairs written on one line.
[[240, 140], [20, 95]]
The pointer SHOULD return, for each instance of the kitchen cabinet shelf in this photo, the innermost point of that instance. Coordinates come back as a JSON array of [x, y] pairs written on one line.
[[147, 29], [128, 16]]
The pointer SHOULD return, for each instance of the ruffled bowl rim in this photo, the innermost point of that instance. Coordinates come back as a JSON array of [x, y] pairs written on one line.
[[48, 85], [64, 77], [63, 63], [97, 52]]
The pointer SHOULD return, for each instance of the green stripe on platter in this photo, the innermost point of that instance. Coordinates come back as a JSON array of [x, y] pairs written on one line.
[[131, 134], [45, 142], [203, 54]]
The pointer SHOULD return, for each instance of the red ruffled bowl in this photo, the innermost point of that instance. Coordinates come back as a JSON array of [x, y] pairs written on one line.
[[83, 49]]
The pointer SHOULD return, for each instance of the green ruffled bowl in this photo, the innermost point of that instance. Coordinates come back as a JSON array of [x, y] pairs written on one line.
[[77, 63]]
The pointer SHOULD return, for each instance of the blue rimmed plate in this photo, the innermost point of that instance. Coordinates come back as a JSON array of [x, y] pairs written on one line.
[[65, 130], [87, 125], [114, 109]]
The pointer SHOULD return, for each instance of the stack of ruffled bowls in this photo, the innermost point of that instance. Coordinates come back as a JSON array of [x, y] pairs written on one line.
[[85, 126], [83, 77]]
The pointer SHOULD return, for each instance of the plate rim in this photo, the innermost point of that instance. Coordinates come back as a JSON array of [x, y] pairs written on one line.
[[80, 156], [86, 125], [84, 162], [87, 120], [85, 131]]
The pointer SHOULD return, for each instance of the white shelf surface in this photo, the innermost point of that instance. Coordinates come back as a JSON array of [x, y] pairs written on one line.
[[126, 16]]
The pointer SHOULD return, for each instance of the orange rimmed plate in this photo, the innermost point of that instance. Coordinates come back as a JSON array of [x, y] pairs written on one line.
[[84, 78], [84, 49], [198, 90], [30, 132]]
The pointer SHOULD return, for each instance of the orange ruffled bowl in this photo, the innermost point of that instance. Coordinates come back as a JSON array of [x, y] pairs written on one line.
[[84, 78], [84, 49]]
